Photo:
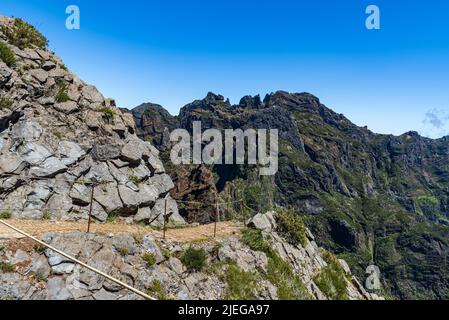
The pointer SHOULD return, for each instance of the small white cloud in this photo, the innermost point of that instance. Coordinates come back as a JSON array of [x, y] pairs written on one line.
[[435, 124]]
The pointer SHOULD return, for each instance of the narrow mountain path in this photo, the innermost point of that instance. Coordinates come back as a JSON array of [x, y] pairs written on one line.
[[187, 234]]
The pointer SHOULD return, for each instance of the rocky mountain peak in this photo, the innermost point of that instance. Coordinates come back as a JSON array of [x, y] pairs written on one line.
[[211, 102], [59, 136], [147, 108], [212, 98], [283, 98], [353, 186], [250, 102]]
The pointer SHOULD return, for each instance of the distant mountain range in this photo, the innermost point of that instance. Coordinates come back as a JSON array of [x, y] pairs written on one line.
[[373, 198]]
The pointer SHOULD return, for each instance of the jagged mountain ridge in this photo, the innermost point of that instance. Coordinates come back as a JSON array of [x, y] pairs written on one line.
[[59, 136], [373, 198]]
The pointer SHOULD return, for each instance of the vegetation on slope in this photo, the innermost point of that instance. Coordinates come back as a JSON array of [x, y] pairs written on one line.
[[280, 272], [6, 55], [23, 35]]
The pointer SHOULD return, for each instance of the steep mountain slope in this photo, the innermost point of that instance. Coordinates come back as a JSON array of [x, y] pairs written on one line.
[[59, 136], [262, 264], [375, 199]]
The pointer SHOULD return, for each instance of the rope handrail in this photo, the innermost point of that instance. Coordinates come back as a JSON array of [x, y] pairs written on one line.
[[75, 180], [86, 208], [209, 204], [130, 288]]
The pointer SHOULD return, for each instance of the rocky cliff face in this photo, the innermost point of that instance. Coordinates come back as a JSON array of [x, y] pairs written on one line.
[[374, 199], [261, 265], [191, 183], [59, 136]]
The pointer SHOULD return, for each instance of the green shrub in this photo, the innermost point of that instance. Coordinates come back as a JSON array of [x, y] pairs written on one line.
[[112, 217], [108, 112], [157, 290], [291, 226], [123, 251], [138, 238], [6, 267], [216, 250], [428, 199], [57, 135], [5, 103], [6, 55], [46, 215], [149, 259], [134, 179], [62, 94], [5, 215], [81, 181], [253, 238], [279, 272], [430, 207], [194, 259], [332, 279], [24, 35], [39, 277], [241, 285]]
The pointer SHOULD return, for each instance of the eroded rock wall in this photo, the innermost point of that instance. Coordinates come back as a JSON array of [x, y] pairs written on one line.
[[59, 136]]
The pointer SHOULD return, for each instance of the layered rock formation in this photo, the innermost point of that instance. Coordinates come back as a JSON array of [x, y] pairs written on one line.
[[375, 199], [59, 137], [232, 269], [194, 183]]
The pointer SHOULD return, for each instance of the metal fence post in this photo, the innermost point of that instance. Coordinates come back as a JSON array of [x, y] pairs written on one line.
[[165, 217], [90, 209], [216, 216]]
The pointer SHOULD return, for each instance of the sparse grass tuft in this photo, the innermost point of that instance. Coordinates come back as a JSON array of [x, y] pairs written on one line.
[[216, 249], [5, 103], [149, 259], [122, 251], [332, 279], [291, 226], [134, 179], [280, 273], [46, 215], [194, 259], [81, 181], [112, 217], [6, 55], [138, 238], [39, 248], [241, 285], [6, 267], [108, 112], [253, 238], [5, 215], [157, 290], [39, 277], [62, 94]]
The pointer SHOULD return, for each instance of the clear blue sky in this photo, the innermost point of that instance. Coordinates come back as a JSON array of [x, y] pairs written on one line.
[[172, 52]]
